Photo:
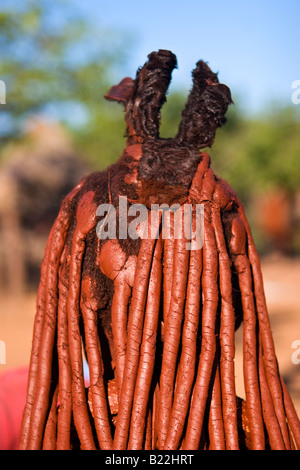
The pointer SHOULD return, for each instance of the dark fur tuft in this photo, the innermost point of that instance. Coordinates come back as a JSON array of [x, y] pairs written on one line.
[[205, 109], [149, 94], [166, 170]]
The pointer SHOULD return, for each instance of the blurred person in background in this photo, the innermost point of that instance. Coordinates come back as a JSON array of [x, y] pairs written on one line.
[[13, 385]]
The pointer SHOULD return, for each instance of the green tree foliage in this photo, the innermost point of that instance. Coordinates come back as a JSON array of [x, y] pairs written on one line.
[[259, 154], [260, 157], [171, 113], [55, 63]]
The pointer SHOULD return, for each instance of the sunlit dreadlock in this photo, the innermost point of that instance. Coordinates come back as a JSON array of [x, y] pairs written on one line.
[[155, 321]]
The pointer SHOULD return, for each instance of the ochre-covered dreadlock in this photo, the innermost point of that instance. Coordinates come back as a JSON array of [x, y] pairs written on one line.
[[154, 320]]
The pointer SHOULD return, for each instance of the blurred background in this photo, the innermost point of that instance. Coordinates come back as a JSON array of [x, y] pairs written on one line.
[[57, 60]]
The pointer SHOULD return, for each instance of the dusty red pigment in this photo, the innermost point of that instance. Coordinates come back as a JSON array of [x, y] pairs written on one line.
[[154, 320]]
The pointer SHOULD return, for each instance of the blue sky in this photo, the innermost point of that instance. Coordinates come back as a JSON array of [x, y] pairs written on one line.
[[254, 45]]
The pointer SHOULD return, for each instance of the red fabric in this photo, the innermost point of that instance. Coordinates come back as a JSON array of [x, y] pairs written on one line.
[[13, 387]]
